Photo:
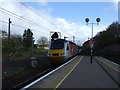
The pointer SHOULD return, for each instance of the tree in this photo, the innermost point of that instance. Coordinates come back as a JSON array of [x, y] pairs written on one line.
[[106, 38], [17, 40], [5, 45], [14, 44], [8, 48], [42, 40], [4, 34], [27, 38]]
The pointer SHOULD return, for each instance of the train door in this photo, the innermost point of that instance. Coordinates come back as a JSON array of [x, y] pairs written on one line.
[[72, 49], [67, 50]]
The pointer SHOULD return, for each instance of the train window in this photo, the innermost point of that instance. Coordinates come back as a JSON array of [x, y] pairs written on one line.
[[57, 45], [67, 47]]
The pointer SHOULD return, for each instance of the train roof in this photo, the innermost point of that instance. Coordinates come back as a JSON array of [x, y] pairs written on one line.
[[63, 40], [72, 42]]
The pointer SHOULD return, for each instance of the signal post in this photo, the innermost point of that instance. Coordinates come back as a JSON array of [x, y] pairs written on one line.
[[91, 42]]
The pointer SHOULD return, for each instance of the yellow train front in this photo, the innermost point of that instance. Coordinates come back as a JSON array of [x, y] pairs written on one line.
[[60, 50], [57, 53]]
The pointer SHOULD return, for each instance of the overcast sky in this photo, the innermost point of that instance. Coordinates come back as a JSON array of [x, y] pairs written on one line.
[[65, 17]]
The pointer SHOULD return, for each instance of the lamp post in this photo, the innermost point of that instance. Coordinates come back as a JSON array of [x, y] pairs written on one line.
[[73, 38], [32, 46], [59, 34], [9, 35], [91, 41]]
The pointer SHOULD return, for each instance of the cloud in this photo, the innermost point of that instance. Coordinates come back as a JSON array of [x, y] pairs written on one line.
[[81, 32], [114, 6], [45, 3], [115, 2], [42, 23], [44, 7]]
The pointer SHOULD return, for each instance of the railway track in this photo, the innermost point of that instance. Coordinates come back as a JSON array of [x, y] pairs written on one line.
[[32, 79], [26, 82], [37, 79]]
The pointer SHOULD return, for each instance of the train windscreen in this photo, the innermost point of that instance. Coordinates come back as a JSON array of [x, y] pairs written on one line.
[[57, 45]]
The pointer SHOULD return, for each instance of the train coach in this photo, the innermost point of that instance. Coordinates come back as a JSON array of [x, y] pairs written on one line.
[[61, 50]]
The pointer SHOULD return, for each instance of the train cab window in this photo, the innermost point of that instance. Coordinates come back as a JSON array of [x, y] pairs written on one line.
[[57, 45], [67, 47]]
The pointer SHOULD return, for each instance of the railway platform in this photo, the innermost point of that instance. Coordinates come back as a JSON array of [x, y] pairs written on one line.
[[80, 73]]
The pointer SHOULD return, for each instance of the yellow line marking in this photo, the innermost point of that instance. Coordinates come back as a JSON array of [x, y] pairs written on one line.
[[108, 65], [68, 73]]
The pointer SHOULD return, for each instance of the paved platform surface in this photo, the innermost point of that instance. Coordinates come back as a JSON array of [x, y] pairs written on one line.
[[87, 75], [80, 73]]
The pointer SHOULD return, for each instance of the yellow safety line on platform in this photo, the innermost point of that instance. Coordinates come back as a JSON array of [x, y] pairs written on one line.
[[68, 73], [108, 65]]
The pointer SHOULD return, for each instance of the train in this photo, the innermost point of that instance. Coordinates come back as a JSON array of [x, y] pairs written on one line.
[[61, 50]]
